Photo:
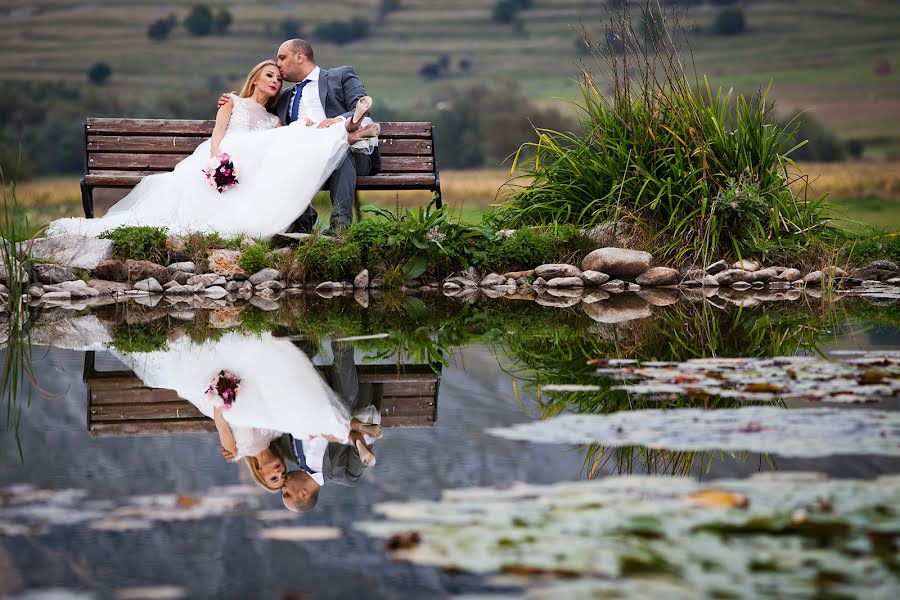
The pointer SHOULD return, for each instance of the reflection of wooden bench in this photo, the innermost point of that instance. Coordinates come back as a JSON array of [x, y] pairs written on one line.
[[120, 404], [121, 152]]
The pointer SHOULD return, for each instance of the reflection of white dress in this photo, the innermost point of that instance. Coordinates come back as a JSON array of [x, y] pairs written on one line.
[[281, 391], [279, 171]]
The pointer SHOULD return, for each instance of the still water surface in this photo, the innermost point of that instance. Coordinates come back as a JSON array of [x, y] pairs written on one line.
[[495, 358]]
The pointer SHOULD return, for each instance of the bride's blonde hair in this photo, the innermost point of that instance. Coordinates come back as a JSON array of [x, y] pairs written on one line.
[[250, 85], [256, 471]]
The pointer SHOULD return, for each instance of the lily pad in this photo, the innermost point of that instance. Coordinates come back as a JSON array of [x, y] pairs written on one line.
[[804, 432], [858, 377], [794, 534]]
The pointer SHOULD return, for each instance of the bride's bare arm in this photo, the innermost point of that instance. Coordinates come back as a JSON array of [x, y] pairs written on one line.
[[222, 118], [226, 438]]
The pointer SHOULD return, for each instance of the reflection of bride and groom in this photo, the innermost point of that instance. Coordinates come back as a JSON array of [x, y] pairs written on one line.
[[284, 411], [285, 145]]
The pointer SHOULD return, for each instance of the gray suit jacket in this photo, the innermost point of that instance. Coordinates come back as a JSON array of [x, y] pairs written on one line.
[[341, 464], [339, 90]]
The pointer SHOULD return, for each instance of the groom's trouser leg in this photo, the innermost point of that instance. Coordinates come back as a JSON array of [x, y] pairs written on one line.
[[344, 375], [343, 187]]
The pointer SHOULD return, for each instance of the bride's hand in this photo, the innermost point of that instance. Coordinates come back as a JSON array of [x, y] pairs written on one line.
[[309, 122], [225, 98], [227, 455]]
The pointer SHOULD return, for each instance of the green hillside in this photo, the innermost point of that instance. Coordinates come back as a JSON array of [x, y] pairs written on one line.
[[821, 55]]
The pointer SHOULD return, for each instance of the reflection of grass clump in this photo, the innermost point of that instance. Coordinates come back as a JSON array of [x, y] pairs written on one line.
[[139, 243], [143, 337]]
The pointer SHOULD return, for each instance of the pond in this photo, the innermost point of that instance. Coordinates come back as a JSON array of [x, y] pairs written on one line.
[[680, 447]]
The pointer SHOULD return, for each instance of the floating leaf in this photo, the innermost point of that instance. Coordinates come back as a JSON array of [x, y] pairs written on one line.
[[713, 498]]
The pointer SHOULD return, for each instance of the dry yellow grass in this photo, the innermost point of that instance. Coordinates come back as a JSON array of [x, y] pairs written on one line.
[[478, 189], [863, 180]]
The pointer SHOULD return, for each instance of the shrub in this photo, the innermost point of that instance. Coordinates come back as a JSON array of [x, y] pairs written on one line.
[[505, 11], [313, 257], [255, 258], [525, 249], [431, 71], [160, 29], [819, 144], [199, 21], [14, 165], [141, 337], [138, 243], [730, 21], [342, 32], [99, 73], [222, 21], [291, 28]]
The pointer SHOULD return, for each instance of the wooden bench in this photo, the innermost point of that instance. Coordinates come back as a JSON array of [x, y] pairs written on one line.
[[120, 152], [119, 404]]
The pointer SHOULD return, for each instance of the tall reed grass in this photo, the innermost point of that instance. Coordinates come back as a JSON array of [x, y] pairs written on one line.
[[704, 172], [15, 338]]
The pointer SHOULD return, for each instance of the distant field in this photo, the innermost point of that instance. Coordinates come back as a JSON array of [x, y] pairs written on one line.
[[820, 55], [859, 194]]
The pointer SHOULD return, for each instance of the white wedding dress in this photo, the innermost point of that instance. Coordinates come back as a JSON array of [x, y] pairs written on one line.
[[280, 390], [279, 170]]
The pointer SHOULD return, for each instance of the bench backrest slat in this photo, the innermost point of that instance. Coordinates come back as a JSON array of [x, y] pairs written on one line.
[[176, 144], [137, 146]]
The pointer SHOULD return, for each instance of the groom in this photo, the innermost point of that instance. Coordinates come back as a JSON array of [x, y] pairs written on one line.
[[322, 95]]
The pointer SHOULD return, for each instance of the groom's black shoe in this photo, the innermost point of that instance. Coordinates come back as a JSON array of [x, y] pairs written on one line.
[[336, 229], [302, 225]]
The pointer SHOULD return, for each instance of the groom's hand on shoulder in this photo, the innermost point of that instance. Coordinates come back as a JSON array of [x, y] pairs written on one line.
[[225, 98]]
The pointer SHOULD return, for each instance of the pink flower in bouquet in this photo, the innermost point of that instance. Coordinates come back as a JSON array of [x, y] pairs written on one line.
[[226, 386], [220, 172]]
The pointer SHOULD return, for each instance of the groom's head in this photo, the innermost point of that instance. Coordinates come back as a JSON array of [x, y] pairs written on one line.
[[295, 60], [300, 492]]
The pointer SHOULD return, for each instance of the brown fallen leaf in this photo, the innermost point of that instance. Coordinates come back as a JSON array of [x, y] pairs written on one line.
[[187, 501], [526, 571], [403, 540], [871, 377], [763, 387], [713, 498], [751, 427]]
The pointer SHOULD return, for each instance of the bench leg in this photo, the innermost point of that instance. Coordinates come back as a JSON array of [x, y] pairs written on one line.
[[357, 211], [437, 195], [87, 200]]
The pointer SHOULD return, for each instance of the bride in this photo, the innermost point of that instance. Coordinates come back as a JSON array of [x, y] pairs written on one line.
[[279, 170], [280, 392]]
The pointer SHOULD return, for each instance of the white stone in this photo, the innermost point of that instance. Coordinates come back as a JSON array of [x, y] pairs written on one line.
[[215, 292], [557, 270], [492, 279], [264, 275], [594, 277], [361, 282], [75, 251], [746, 265], [149, 285], [187, 267], [617, 262]]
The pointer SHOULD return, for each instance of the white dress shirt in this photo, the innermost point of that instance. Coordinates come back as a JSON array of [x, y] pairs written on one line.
[[311, 108], [314, 452], [310, 102]]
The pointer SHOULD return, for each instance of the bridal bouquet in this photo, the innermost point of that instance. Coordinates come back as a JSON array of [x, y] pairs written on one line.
[[225, 386], [220, 172]]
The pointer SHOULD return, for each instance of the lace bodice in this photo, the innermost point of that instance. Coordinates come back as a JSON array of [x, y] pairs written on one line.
[[249, 115]]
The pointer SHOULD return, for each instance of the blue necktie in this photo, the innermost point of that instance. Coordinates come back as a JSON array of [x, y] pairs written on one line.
[[301, 457], [295, 105]]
